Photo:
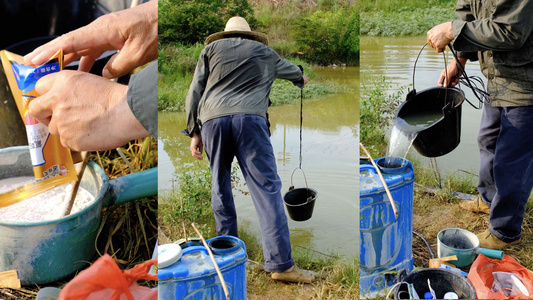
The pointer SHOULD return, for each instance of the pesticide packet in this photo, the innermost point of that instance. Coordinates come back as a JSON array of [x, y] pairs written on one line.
[[52, 163]]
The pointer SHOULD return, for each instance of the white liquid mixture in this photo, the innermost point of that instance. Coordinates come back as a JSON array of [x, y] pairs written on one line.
[[43, 207]]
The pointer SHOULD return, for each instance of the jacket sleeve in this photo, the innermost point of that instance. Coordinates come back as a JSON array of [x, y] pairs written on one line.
[[464, 13], [142, 97], [288, 71], [507, 29], [196, 90]]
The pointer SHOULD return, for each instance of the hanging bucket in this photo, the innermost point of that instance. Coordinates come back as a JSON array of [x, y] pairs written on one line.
[[441, 132], [300, 202]]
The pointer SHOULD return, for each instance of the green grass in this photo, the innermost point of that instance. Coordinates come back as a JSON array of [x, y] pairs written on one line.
[[412, 17], [377, 109], [189, 202], [396, 5]]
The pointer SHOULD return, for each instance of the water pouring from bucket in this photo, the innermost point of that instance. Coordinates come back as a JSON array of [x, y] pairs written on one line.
[[430, 120]]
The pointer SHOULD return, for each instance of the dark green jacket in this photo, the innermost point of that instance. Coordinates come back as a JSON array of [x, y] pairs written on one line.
[[234, 76], [498, 33]]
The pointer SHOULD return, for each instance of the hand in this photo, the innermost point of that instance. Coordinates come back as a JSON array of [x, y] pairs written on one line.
[[305, 79], [86, 111], [197, 147], [440, 36], [453, 73], [132, 31]]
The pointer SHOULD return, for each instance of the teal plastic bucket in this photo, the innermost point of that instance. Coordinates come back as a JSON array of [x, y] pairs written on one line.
[[385, 242], [194, 276], [48, 251]]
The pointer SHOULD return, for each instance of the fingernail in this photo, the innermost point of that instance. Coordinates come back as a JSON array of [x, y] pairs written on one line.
[[107, 74]]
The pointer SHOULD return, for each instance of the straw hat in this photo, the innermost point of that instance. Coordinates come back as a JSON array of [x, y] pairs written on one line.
[[237, 27]]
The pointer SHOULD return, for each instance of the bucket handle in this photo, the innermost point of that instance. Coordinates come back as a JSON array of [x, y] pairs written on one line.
[[413, 92], [306, 186]]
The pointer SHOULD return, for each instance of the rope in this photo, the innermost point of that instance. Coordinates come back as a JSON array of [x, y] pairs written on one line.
[[480, 93], [301, 123], [301, 117], [427, 244]]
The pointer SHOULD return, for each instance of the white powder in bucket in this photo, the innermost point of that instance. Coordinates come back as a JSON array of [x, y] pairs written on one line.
[[43, 207]]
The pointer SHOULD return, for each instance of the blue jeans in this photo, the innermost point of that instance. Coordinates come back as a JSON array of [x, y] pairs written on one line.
[[506, 167], [247, 137]]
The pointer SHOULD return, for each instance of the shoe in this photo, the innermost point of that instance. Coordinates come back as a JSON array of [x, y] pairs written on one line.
[[476, 205], [488, 240], [294, 275]]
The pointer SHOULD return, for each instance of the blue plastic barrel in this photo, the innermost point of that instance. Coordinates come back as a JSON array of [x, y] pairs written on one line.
[[194, 275], [386, 242]]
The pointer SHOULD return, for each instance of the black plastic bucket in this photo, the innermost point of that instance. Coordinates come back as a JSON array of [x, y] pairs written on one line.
[[442, 281], [300, 203], [444, 135]]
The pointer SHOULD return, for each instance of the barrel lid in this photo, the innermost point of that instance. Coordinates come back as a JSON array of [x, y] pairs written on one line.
[[196, 263], [370, 183], [168, 254]]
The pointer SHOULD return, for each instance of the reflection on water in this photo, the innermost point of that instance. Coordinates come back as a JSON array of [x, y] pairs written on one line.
[[395, 58], [329, 160]]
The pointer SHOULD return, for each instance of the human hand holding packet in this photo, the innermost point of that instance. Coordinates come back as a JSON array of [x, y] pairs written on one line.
[[52, 163]]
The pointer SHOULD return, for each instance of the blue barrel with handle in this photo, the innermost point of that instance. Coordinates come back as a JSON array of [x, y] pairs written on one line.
[[194, 275], [385, 241]]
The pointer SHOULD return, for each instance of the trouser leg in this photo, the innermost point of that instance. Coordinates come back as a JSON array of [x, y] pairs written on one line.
[[216, 137], [258, 165], [487, 137], [513, 172]]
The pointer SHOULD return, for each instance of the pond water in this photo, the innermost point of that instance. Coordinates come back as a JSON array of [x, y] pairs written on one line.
[[329, 159], [394, 57]]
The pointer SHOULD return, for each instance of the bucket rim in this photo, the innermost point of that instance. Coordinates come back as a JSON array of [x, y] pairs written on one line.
[[441, 271], [97, 201], [415, 93], [301, 204]]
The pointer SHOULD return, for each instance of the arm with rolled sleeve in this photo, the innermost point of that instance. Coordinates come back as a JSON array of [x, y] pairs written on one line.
[[196, 90]]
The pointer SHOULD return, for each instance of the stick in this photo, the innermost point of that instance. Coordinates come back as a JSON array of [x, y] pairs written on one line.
[[76, 184], [382, 180], [222, 281]]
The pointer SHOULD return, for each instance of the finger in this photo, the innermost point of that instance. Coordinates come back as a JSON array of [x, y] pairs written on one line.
[[87, 62], [46, 83], [83, 38], [40, 111], [52, 127], [128, 58], [119, 65], [68, 58]]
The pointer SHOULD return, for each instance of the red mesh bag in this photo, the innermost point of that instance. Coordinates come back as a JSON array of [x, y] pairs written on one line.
[[482, 279], [105, 280]]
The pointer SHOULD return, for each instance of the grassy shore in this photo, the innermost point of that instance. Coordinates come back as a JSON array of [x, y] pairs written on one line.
[[190, 203], [412, 17]]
